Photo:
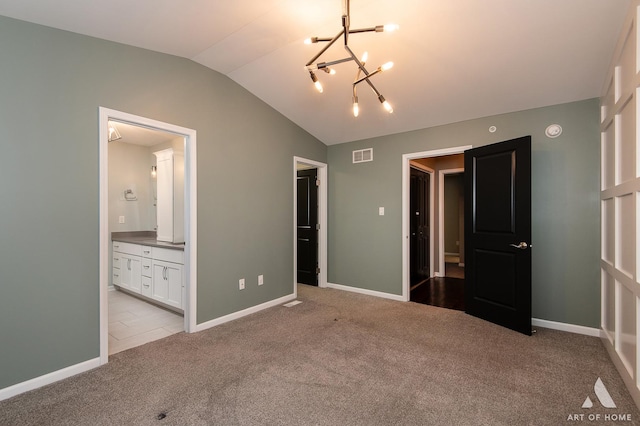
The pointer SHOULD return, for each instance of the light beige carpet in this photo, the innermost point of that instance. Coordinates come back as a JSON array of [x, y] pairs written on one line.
[[339, 358]]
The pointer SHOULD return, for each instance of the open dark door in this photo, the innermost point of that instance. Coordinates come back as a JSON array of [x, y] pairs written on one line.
[[307, 227], [420, 233], [498, 233]]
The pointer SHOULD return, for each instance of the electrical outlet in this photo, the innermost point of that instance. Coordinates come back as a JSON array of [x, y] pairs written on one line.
[[241, 284], [260, 279], [120, 219]]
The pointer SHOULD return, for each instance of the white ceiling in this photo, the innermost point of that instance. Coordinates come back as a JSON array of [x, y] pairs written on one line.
[[454, 59]]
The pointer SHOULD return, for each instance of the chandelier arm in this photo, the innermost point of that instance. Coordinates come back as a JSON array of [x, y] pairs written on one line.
[[321, 65], [324, 49], [378, 94], [322, 39], [356, 60], [367, 30], [366, 77]]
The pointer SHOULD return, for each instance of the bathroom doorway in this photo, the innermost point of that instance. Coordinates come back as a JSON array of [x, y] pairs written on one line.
[[188, 275]]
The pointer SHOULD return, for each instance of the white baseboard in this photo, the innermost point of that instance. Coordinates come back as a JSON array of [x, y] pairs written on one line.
[[49, 378], [245, 312], [571, 328], [396, 297]]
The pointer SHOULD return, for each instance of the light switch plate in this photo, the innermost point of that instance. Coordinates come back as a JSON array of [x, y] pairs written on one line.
[[381, 211], [120, 219]]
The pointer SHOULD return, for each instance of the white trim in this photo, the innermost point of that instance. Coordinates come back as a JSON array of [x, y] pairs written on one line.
[[323, 176], [571, 328], [621, 367], [441, 175], [252, 310], [48, 378], [190, 214], [406, 158], [396, 297]]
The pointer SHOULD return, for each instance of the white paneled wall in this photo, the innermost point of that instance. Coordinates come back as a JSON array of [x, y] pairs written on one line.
[[620, 204]]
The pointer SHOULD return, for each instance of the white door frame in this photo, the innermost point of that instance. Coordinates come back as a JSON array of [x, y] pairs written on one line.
[[322, 220], [441, 175], [406, 195], [432, 195], [190, 215]]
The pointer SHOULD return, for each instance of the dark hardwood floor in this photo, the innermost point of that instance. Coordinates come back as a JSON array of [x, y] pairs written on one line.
[[444, 292]]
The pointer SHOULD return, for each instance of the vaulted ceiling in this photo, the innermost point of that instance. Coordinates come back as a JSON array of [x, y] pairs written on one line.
[[454, 60]]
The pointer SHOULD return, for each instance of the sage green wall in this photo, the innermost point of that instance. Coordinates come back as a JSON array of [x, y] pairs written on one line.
[[365, 250], [51, 85]]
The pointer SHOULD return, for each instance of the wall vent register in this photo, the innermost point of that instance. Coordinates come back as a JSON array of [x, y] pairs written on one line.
[[363, 155]]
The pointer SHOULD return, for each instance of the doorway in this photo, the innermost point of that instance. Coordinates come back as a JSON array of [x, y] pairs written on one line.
[[451, 238], [189, 211], [319, 186], [407, 161]]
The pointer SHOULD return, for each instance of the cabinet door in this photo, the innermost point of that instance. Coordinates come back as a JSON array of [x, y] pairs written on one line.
[[174, 276], [130, 271], [167, 283], [160, 290]]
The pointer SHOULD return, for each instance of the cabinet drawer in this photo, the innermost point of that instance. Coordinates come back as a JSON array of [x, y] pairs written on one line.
[[147, 251], [146, 287], [146, 267], [128, 248], [116, 260], [168, 255], [116, 277]]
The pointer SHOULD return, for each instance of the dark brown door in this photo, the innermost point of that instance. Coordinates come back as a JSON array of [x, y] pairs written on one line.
[[498, 233], [420, 232], [307, 226]]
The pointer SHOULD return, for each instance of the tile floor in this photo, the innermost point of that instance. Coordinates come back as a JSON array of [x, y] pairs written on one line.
[[134, 322]]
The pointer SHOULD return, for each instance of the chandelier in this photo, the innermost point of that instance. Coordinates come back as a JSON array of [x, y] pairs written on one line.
[[362, 74]]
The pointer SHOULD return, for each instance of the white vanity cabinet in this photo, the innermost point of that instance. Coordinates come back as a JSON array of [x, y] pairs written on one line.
[[153, 272], [170, 196]]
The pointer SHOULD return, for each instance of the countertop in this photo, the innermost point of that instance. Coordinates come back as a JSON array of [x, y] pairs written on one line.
[[146, 238]]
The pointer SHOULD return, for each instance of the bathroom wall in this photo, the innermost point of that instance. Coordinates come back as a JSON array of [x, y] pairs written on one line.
[[130, 168]]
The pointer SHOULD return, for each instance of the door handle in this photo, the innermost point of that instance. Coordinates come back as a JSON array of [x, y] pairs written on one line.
[[521, 246]]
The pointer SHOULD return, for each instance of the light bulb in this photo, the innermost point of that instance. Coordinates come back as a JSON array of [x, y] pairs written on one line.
[[310, 40], [387, 106], [386, 66], [315, 81], [356, 109], [365, 56], [391, 27]]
